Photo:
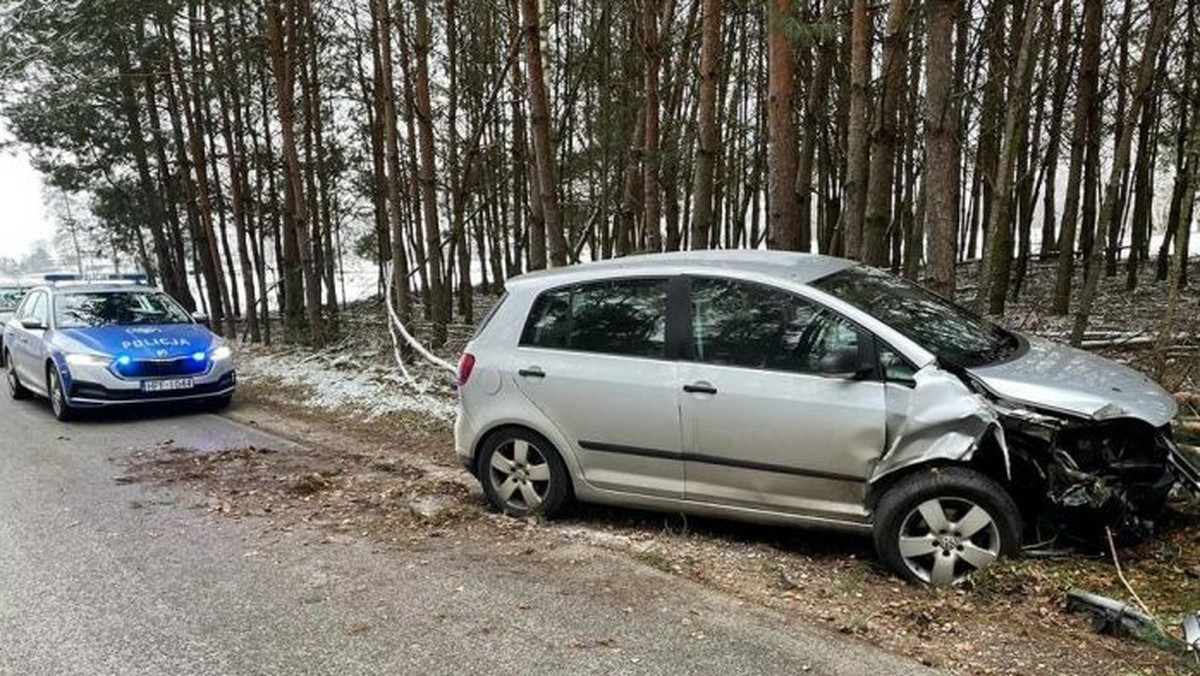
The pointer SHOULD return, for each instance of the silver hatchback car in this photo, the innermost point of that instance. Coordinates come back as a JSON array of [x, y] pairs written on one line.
[[813, 391]]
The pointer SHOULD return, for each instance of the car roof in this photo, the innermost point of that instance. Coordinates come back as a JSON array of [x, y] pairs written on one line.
[[95, 287], [796, 267]]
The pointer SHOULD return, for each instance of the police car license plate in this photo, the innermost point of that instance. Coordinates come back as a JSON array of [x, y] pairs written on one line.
[[167, 385]]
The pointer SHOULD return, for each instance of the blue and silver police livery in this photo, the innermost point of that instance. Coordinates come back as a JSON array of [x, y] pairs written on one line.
[[104, 343]]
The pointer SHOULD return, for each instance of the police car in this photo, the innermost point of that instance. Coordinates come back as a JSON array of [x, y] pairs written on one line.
[[95, 343], [11, 293]]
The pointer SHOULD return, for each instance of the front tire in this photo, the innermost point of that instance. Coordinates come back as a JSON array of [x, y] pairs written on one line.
[[523, 474], [15, 389], [218, 404], [58, 396], [940, 524]]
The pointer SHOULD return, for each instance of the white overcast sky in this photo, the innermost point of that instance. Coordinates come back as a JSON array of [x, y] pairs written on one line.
[[23, 218]]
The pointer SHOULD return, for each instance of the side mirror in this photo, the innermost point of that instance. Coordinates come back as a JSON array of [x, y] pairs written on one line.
[[200, 318], [32, 324], [844, 363]]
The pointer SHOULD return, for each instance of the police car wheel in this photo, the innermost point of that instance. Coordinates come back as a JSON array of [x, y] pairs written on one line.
[[218, 404], [58, 397], [15, 389]]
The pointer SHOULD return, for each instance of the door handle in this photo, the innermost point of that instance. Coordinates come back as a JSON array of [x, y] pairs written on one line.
[[532, 372], [700, 388]]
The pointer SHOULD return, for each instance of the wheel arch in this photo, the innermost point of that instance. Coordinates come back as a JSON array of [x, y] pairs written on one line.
[[500, 427], [989, 459]]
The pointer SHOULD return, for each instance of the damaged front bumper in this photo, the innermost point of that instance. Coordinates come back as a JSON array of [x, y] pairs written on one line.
[[1075, 478]]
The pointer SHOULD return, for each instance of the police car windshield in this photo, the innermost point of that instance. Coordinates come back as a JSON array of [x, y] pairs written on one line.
[[10, 298], [116, 308]]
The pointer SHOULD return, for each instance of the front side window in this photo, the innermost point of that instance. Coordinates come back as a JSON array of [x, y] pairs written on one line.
[[623, 317], [895, 368], [753, 326], [117, 308], [35, 308]]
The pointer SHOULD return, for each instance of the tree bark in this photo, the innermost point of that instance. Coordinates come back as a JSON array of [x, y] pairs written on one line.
[[781, 129], [857, 140], [703, 216], [941, 148]]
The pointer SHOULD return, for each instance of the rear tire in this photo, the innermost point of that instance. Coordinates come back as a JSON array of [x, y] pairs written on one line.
[[15, 389], [523, 474], [940, 524], [58, 396]]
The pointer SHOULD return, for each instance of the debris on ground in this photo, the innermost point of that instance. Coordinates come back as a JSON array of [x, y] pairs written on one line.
[[1109, 616]]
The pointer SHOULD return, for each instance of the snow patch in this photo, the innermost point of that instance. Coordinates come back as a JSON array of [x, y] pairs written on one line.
[[341, 381]]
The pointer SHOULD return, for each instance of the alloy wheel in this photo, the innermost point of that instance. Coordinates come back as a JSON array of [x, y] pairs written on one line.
[[520, 475], [943, 540]]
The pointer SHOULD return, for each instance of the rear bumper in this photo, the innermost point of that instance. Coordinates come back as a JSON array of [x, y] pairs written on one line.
[[465, 434], [87, 394]]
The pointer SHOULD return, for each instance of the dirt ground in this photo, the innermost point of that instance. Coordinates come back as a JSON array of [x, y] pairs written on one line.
[[393, 478]]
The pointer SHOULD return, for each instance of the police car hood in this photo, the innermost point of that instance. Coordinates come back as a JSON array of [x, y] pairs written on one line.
[[157, 341]]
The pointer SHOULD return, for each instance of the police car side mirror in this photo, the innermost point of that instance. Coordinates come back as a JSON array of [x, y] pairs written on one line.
[[200, 318], [32, 324]]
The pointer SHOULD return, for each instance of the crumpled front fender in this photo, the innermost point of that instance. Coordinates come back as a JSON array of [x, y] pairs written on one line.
[[944, 420]]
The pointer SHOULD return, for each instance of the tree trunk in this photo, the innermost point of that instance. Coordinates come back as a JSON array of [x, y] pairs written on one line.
[[781, 130], [539, 111], [421, 44], [857, 140], [883, 137], [993, 280], [283, 41], [1160, 19], [941, 147], [1089, 77], [703, 222]]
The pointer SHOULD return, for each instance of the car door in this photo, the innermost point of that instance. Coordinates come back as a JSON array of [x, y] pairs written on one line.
[[594, 359], [763, 427], [27, 351]]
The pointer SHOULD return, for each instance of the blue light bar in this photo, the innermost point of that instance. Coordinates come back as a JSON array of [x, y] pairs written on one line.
[[52, 277], [135, 277]]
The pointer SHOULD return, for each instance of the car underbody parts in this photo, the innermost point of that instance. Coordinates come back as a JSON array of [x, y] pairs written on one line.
[[1109, 616]]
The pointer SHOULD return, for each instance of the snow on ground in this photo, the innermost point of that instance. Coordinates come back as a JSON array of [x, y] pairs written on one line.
[[339, 381]]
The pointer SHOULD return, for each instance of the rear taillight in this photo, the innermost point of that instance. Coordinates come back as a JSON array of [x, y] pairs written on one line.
[[466, 364]]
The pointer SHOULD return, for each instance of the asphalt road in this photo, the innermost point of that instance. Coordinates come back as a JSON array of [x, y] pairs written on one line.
[[97, 577]]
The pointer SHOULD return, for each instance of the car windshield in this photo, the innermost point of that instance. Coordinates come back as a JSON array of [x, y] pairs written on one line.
[[952, 333], [10, 298], [117, 308]]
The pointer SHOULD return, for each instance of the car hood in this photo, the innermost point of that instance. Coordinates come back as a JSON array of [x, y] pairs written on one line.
[[1063, 379], [159, 341]]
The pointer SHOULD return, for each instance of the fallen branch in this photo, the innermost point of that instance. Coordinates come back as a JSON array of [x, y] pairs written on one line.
[[413, 342], [1121, 574]]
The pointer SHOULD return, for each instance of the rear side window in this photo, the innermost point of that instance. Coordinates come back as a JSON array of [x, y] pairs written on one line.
[[548, 321], [623, 317]]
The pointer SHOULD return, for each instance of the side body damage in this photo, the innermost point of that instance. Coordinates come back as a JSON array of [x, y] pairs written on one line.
[[1072, 476]]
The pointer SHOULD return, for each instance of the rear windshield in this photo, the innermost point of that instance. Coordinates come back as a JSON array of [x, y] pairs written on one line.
[[117, 308]]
